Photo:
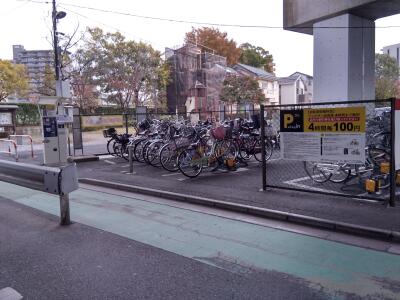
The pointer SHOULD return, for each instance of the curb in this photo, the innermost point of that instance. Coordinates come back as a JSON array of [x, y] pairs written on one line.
[[79, 159], [363, 231]]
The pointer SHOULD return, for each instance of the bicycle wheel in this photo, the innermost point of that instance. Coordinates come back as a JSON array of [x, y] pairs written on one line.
[[257, 150], [245, 149], [110, 148], [168, 157], [190, 163], [117, 148], [152, 154], [340, 174], [138, 151], [316, 172]]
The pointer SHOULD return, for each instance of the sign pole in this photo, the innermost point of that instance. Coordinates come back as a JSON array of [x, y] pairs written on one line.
[[263, 161], [392, 200]]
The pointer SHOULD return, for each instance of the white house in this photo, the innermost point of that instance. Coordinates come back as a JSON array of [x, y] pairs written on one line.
[[267, 82], [296, 89], [393, 51]]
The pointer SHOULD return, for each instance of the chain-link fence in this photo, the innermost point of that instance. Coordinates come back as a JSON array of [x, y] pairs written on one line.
[[342, 148]]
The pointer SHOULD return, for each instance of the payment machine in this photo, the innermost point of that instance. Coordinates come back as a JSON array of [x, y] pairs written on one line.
[[55, 130]]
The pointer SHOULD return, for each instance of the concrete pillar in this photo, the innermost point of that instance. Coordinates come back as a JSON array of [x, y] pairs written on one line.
[[344, 59]]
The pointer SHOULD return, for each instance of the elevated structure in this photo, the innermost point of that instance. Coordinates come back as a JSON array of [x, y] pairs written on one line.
[[344, 43]]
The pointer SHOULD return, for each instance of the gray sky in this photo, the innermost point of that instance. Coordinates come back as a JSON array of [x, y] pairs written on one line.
[[28, 23]]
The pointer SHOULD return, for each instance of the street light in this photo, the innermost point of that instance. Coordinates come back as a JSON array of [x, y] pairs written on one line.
[[56, 15]]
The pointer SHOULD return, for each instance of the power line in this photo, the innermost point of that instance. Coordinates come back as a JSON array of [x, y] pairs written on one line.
[[210, 23]]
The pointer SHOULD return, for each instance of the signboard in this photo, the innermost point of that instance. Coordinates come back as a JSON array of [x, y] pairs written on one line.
[[6, 118], [326, 134], [397, 137], [50, 127]]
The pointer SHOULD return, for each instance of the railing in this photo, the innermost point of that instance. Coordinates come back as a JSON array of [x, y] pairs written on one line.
[[19, 139], [11, 145], [53, 180]]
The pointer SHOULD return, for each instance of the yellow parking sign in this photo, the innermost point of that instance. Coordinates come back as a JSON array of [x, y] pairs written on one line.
[[335, 120]]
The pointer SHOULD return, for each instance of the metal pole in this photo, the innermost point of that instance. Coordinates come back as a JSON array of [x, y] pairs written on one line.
[[130, 153], [64, 210], [126, 123], [263, 161], [392, 201], [55, 42]]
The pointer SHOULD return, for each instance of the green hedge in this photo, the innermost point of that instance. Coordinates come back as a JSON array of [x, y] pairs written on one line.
[[27, 115]]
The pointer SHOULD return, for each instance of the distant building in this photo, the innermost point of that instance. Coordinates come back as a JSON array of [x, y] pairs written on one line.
[[296, 89], [268, 82], [196, 79], [393, 51], [35, 61]]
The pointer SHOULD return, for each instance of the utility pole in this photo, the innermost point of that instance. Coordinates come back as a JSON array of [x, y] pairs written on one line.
[[55, 41]]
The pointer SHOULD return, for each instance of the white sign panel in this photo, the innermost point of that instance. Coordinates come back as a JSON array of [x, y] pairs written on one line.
[[328, 147], [6, 118]]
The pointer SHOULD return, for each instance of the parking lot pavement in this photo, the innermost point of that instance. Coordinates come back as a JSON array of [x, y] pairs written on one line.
[[144, 248], [243, 187]]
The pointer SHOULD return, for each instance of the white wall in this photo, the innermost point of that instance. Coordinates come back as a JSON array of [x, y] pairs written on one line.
[[344, 59], [288, 93]]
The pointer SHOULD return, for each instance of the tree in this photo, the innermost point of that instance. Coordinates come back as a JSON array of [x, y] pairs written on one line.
[[257, 57], [13, 79], [386, 77], [211, 39], [241, 90], [47, 86], [126, 71], [82, 75]]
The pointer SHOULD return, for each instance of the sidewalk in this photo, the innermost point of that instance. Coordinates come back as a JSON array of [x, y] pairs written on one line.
[[140, 247], [243, 188]]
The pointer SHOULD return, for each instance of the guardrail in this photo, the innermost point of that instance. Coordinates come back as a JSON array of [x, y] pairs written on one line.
[[19, 140], [54, 180], [11, 145]]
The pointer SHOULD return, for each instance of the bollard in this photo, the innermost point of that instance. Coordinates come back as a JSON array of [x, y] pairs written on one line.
[[64, 210], [130, 153]]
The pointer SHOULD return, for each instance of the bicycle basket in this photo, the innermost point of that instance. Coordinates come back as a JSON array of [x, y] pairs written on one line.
[[218, 133], [109, 132]]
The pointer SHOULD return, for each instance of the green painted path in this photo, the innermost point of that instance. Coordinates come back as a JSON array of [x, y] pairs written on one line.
[[233, 245]]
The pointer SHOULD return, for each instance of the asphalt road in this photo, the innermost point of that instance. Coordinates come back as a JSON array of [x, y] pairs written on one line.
[[42, 260], [130, 246]]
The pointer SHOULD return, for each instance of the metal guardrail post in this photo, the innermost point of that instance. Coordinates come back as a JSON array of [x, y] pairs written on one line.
[[64, 210], [392, 200], [60, 181], [263, 161], [130, 153]]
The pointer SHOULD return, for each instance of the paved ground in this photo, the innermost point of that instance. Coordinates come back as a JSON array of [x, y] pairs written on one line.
[[142, 248], [243, 187]]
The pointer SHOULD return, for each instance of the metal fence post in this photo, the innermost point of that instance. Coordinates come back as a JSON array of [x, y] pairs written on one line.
[[130, 153], [263, 161], [126, 123], [392, 201], [64, 210]]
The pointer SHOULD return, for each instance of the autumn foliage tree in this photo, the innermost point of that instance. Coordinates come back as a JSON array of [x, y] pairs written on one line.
[[13, 79], [211, 39]]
